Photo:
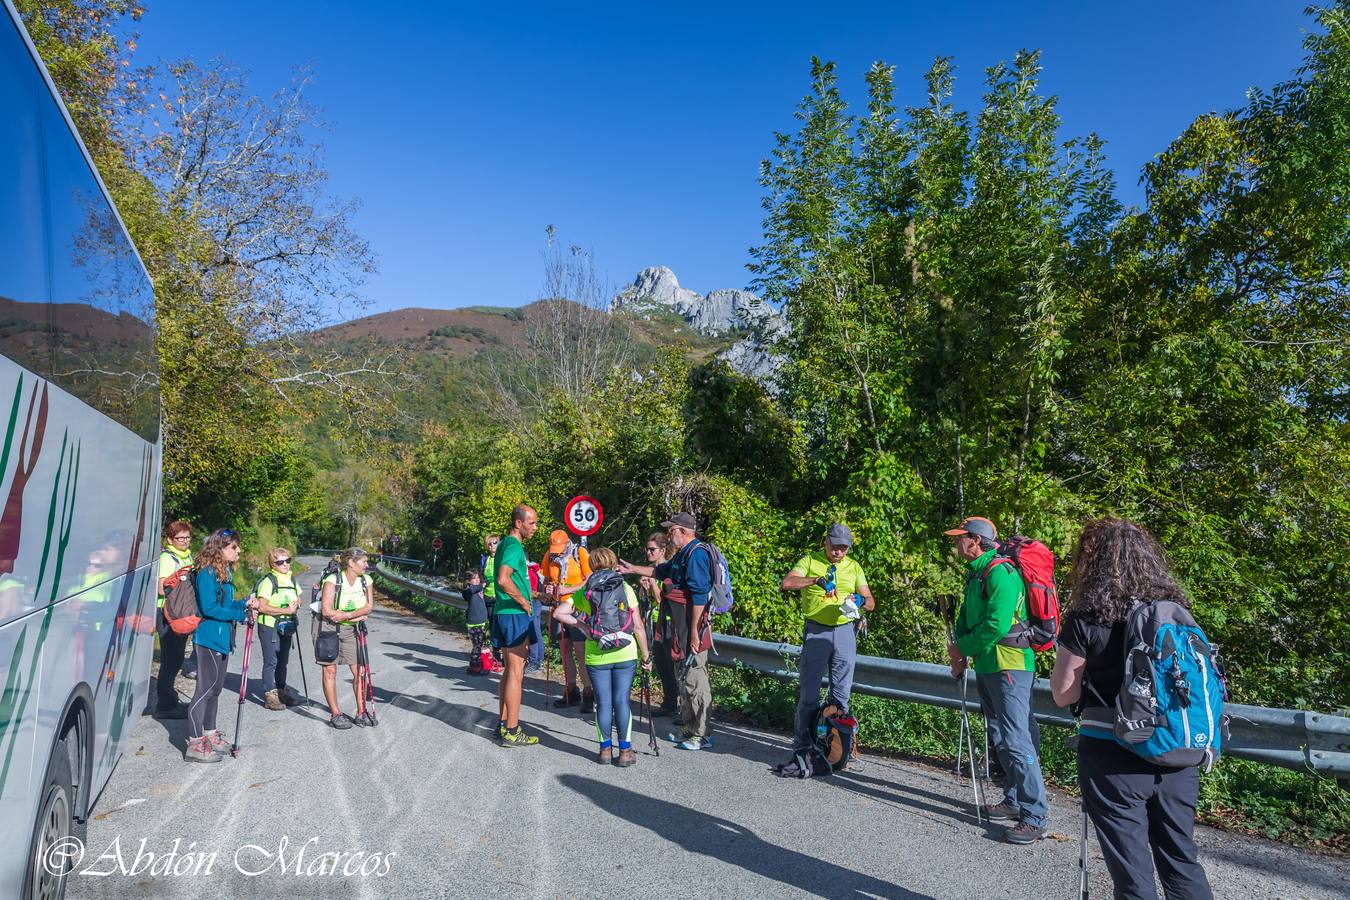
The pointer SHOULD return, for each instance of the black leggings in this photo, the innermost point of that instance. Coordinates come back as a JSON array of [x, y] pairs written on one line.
[[211, 668], [171, 648]]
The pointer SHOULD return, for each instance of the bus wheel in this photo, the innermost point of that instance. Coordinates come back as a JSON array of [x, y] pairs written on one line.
[[53, 853]]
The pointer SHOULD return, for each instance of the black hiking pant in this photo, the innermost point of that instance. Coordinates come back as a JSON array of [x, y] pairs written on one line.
[[276, 651], [171, 648], [1145, 817]]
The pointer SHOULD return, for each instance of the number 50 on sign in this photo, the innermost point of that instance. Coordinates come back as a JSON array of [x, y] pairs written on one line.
[[583, 516]]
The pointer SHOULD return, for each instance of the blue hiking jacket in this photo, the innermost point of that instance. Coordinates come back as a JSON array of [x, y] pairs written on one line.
[[219, 612]]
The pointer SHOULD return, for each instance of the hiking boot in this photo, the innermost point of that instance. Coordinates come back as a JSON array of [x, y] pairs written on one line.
[[366, 718], [570, 697], [200, 750], [272, 700], [1004, 811], [690, 742], [218, 742], [291, 698], [626, 758], [518, 738], [341, 721], [587, 701], [604, 757], [173, 712], [1024, 833]]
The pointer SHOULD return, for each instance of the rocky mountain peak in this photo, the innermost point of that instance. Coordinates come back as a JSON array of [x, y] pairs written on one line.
[[726, 311]]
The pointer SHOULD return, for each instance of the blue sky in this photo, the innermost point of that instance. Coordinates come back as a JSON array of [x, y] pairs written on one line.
[[637, 129]]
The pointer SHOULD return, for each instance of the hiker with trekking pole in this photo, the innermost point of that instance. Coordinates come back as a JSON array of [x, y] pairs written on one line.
[[697, 585], [993, 630], [605, 611], [347, 599], [278, 602], [834, 595], [1139, 751], [213, 641]]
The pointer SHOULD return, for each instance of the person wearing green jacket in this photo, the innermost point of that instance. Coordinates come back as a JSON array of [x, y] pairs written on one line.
[[994, 600]]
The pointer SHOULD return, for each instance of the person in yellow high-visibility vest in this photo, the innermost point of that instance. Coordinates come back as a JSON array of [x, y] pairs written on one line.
[[175, 561], [278, 602]]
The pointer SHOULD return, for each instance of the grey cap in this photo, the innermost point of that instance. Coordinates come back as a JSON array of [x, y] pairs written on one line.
[[683, 520], [839, 535], [976, 525]]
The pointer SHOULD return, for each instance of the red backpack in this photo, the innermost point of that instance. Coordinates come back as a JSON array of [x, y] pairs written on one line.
[[181, 610], [1034, 562]]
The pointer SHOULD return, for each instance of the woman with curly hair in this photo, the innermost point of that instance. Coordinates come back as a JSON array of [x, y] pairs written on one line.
[[1144, 813], [213, 641]]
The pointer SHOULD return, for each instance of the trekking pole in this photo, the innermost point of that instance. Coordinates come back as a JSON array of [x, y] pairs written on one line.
[[961, 732], [548, 662], [368, 692], [304, 679], [1083, 860], [647, 705], [970, 748], [243, 686]]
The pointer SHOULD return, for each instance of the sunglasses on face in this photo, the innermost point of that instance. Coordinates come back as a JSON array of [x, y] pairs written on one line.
[[653, 549], [283, 562]]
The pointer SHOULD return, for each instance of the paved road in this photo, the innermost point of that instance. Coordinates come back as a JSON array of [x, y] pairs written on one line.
[[433, 808]]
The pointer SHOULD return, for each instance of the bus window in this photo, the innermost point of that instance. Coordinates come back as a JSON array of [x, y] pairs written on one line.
[[102, 340], [24, 321]]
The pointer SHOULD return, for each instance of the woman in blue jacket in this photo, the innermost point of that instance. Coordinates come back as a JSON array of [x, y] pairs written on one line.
[[213, 640]]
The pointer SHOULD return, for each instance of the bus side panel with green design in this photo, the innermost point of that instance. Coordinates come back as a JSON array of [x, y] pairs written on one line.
[[79, 474]]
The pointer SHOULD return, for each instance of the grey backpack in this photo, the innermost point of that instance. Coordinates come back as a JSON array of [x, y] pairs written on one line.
[[610, 621]]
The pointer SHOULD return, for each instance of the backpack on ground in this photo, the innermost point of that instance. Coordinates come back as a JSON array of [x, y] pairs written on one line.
[[610, 621], [1035, 564], [1170, 706], [835, 745], [181, 609], [720, 599]]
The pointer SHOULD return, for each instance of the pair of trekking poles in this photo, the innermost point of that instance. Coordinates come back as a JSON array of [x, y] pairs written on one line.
[[243, 680], [362, 658], [965, 741]]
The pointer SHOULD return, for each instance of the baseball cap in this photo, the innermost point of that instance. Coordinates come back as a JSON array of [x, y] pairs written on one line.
[[557, 540], [683, 520], [976, 525], [839, 535]]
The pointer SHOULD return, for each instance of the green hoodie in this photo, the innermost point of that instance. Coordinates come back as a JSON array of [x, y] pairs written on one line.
[[986, 616]]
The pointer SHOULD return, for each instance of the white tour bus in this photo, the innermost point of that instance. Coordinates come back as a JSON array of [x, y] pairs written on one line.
[[79, 475]]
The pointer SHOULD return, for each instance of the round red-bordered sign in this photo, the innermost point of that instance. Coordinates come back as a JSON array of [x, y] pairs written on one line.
[[436, 543], [583, 516]]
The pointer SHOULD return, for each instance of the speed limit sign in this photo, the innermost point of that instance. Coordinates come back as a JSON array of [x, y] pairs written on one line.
[[583, 516]]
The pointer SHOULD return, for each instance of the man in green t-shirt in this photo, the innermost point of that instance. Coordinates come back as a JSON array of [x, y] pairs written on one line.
[[512, 622], [834, 594]]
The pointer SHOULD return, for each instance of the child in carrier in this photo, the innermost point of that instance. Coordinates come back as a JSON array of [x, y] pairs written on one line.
[[480, 660]]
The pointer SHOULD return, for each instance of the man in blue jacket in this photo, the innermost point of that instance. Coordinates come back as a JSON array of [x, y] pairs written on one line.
[[690, 574]]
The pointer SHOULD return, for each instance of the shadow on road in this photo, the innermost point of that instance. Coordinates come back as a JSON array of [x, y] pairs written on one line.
[[472, 720], [710, 836]]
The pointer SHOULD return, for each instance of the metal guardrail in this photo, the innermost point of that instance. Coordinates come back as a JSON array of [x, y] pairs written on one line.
[[1289, 738]]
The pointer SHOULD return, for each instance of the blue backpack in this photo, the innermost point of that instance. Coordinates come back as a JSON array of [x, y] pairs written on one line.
[[1170, 706], [720, 599]]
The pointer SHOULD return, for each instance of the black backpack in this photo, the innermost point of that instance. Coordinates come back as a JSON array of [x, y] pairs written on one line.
[[610, 621], [835, 746]]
